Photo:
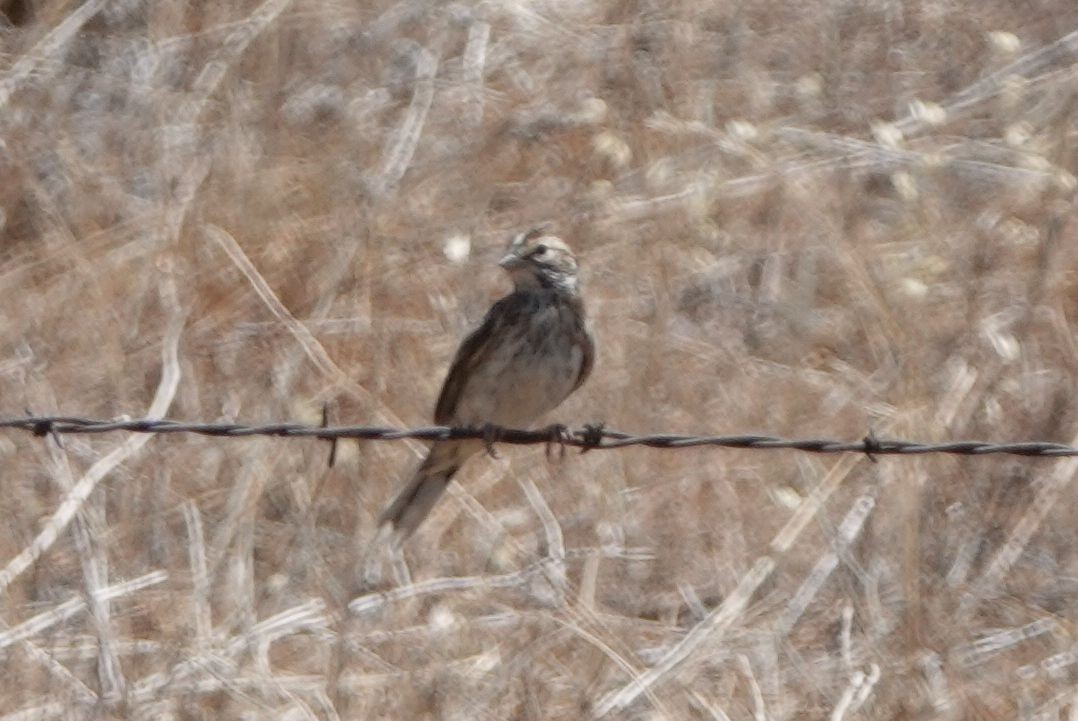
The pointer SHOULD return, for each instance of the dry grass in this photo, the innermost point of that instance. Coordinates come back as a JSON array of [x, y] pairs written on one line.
[[798, 218]]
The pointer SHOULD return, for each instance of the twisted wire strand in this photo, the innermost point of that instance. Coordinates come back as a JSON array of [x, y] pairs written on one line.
[[588, 437]]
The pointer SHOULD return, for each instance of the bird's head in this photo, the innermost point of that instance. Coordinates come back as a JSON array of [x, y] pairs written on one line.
[[538, 260]]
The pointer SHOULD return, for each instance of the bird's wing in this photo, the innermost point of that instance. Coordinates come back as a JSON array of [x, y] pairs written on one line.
[[587, 362], [474, 351]]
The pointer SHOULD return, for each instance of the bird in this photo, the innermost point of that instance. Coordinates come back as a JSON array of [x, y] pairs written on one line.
[[532, 350]]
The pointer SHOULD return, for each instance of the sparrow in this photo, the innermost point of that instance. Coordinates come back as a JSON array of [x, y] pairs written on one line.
[[532, 350]]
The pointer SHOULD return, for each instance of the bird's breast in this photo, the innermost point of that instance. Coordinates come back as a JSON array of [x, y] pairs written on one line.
[[530, 369]]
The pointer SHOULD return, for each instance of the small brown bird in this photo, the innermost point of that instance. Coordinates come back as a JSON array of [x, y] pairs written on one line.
[[532, 350]]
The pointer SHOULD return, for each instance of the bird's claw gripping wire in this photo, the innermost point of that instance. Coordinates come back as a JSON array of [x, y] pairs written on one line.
[[557, 435], [491, 435]]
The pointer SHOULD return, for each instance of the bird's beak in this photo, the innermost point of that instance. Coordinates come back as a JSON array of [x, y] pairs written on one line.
[[511, 261]]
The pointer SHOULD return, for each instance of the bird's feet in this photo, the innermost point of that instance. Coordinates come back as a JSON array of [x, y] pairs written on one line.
[[491, 435], [557, 435]]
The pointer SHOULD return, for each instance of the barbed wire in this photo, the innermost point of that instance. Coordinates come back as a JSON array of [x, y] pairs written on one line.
[[587, 438]]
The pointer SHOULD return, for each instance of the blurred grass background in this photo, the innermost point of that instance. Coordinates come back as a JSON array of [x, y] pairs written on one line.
[[805, 219]]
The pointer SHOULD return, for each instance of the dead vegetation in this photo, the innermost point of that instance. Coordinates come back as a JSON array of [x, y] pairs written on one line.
[[806, 219]]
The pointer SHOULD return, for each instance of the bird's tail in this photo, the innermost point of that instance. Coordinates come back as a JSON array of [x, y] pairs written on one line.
[[414, 502]]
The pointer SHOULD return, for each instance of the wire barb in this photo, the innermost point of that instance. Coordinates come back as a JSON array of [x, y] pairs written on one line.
[[332, 441], [589, 437], [592, 435], [872, 445]]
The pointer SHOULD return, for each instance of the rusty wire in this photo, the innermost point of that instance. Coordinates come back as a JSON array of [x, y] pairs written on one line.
[[588, 437]]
